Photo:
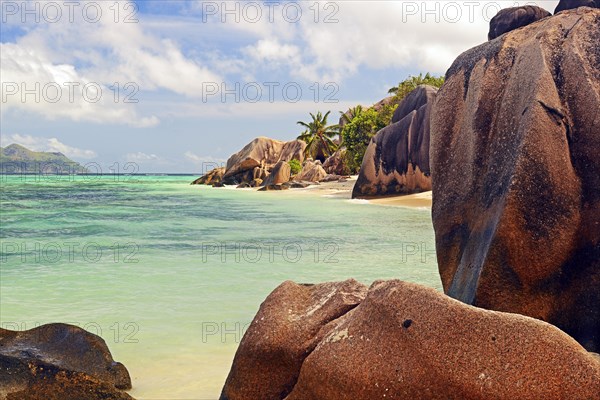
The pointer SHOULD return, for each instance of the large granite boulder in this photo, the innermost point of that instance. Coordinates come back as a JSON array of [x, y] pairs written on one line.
[[513, 18], [285, 330], [261, 153], [402, 341], [213, 176], [423, 95], [515, 159], [59, 361], [571, 4], [336, 163], [397, 158], [281, 174], [312, 171]]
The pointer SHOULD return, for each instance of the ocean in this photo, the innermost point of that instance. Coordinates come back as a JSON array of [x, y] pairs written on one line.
[[170, 274]]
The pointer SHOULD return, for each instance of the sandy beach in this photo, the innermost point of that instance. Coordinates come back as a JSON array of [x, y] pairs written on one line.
[[343, 190]]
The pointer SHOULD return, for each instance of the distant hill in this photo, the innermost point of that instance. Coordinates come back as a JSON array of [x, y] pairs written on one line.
[[15, 159]]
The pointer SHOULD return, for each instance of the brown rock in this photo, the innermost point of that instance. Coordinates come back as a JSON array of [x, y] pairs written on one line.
[[281, 174], [263, 153], [515, 158], [397, 158], [213, 176], [333, 178], [571, 4], [312, 171], [256, 183], [59, 361], [336, 163], [421, 96], [298, 185], [513, 18], [270, 188], [405, 341], [285, 330], [260, 173], [293, 150]]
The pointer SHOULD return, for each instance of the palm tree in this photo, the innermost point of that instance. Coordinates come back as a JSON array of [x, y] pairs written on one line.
[[318, 137], [348, 116]]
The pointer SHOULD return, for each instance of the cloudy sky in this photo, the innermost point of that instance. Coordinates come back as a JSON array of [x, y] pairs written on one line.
[[174, 86]]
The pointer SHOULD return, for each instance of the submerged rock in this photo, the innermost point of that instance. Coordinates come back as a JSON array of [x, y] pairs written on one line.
[[399, 340], [513, 18], [59, 361], [515, 159], [397, 158]]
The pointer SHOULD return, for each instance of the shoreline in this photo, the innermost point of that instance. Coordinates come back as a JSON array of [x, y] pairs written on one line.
[[343, 190]]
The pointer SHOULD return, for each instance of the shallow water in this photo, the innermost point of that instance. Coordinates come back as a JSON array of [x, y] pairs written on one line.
[[170, 274]]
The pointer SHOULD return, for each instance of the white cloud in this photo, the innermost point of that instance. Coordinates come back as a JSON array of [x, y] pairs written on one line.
[[425, 36], [31, 82], [140, 157], [37, 143], [201, 160], [175, 55]]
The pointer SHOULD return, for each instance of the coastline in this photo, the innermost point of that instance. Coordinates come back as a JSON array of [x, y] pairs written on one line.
[[343, 190], [417, 200]]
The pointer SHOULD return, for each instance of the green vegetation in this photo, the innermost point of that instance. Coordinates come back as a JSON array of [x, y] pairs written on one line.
[[16, 159], [348, 116], [319, 137], [361, 125], [411, 83], [358, 125], [358, 133], [295, 166]]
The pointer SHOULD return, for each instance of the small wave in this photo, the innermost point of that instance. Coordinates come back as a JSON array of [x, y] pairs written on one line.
[[358, 201]]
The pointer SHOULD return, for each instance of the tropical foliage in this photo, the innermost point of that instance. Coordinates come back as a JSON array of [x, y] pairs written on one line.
[[360, 125], [319, 137], [411, 83], [348, 116], [295, 166], [359, 131]]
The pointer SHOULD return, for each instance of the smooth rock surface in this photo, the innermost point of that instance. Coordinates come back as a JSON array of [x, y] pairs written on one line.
[[336, 163], [515, 159], [312, 171], [509, 19], [213, 176], [281, 173], [397, 158], [262, 153], [571, 4]]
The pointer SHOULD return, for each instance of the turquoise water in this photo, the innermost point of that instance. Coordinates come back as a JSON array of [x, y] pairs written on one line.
[[170, 274]]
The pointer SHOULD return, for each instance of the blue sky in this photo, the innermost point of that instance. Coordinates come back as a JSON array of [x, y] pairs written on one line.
[[154, 71]]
